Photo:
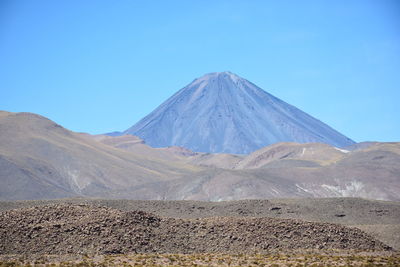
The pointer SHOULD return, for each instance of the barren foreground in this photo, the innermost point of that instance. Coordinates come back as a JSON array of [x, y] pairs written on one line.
[[293, 258], [72, 229], [154, 233], [380, 219]]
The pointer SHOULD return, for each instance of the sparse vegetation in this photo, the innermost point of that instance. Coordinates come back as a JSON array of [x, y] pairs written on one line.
[[297, 258]]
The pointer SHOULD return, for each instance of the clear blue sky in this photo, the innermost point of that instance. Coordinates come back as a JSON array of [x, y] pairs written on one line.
[[100, 66]]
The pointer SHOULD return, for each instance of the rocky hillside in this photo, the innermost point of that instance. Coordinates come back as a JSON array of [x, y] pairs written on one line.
[[380, 219], [65, 229]]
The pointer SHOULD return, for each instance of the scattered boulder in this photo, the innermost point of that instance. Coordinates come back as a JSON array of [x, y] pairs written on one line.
[[275, 208]]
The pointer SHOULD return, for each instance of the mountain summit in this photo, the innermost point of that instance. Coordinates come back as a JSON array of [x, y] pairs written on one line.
[[221, 112]]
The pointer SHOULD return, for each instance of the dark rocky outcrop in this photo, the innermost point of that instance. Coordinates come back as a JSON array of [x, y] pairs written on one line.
[[66, 229]]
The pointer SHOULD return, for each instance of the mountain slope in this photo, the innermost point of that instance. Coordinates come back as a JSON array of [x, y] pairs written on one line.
[[39, 159], [284, 170], [136, 145], [301, 155], [299, 170], [223, 113]]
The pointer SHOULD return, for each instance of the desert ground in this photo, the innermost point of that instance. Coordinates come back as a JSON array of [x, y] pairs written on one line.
[[278, 232]]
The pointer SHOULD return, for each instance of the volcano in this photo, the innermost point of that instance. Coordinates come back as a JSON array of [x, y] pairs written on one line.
[[221, 112]]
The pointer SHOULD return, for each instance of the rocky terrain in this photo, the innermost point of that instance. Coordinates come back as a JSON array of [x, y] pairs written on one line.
[[293, 258], [72, 229], [380, 219], [277, 232]]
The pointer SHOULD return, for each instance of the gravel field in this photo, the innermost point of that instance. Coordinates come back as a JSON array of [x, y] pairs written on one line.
[[380, 219]]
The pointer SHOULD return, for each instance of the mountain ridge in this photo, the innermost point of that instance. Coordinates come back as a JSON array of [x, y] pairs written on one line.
[[40, 159]]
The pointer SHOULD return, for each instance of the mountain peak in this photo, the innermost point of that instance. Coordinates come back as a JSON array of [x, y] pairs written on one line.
[[221, 112], [219, 75]]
